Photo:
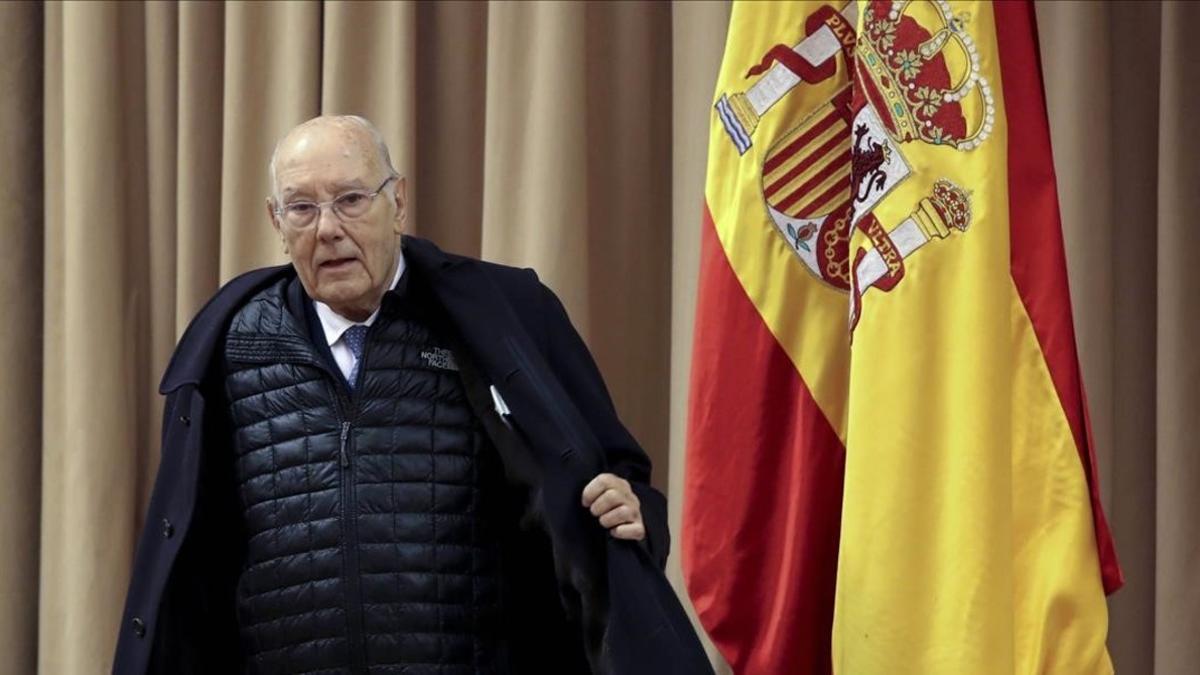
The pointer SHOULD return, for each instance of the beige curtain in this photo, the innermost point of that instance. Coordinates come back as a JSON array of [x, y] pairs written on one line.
[[565, 136]]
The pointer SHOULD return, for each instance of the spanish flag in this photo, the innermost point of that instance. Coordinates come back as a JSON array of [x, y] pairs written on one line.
[[890, 467]]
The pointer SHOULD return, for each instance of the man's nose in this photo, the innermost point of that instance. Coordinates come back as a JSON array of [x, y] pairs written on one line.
[[328, 227]]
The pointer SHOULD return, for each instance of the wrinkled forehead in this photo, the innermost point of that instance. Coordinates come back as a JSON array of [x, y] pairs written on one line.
[[316, 156]]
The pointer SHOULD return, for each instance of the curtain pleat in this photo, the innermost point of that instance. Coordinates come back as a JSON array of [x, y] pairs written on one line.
[[157, 264], [369, 68], [272, 82], [201, 62], [450, 100], [20, 351], [565, 136], [1177, 447], [537, 139], [95, 327]]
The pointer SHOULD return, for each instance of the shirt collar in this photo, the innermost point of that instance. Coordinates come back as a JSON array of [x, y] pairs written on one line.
[[334, 324]]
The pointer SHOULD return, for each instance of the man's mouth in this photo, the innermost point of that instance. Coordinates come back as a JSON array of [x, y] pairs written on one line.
[[337, 263]]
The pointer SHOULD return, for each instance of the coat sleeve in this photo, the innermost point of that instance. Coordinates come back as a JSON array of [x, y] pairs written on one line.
[[568, 355]]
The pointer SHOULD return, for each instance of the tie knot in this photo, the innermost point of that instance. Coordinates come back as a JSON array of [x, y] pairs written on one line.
[[355, 337]]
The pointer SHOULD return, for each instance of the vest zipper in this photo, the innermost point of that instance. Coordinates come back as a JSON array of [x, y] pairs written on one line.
[[342, 447], [353, 581], [348, 407]]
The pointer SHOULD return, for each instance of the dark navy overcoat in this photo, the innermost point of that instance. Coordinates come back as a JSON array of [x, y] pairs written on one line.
[[563, 430]]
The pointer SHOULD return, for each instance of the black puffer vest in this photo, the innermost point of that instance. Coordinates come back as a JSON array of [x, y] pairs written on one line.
[[372, 541]]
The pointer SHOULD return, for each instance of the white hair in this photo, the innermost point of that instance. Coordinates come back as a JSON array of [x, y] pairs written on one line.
[[381, 148]]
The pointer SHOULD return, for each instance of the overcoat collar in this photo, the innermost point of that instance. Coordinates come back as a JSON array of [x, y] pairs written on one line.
[[194, 353]]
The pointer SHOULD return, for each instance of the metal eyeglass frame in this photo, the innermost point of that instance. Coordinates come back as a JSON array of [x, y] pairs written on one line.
[[332, 204]]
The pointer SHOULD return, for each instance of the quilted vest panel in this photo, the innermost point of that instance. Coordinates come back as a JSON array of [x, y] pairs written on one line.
[[371, 542]]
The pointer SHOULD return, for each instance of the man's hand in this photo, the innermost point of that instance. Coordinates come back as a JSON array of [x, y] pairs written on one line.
[[610, 498]]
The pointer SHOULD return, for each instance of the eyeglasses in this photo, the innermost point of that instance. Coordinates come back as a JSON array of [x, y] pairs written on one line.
[[348, 206]]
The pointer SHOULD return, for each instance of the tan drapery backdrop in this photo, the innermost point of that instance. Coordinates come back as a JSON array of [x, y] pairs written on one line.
[[565, 136]]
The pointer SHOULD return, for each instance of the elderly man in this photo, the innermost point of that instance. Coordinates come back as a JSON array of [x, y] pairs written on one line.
[[383, 458]]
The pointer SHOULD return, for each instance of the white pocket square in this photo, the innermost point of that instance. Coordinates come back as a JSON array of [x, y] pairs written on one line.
[[498, 401]]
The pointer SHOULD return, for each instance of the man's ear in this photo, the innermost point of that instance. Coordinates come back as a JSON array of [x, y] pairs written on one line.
[[401, 197], [275, 223]]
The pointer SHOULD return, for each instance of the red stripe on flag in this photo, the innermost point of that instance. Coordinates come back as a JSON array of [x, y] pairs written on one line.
[[783, 155], [810, 209], [1039, 267], [824, 149], [817, 178], [763, 488]]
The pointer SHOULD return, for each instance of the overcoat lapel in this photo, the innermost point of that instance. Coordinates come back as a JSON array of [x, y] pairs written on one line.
[[508, 356]]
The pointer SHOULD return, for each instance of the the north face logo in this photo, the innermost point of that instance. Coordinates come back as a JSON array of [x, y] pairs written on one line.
[[439, 358]]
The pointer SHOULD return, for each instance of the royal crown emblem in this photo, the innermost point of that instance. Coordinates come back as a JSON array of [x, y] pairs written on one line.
[[913, 75], [904, 70]]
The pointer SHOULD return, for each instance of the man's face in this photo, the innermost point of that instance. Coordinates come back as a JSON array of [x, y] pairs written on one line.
[[348, 264]]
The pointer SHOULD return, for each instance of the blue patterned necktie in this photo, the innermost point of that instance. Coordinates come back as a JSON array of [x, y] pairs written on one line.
[[355, 337]]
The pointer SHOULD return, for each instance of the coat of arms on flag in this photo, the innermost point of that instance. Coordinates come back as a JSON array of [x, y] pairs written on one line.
[[822, 178]]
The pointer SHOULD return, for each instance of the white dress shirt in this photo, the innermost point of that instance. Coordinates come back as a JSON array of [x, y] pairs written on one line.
[[335, 326]]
